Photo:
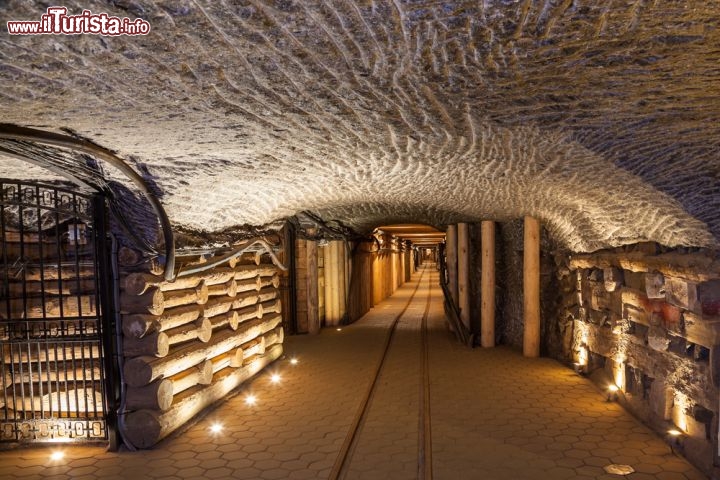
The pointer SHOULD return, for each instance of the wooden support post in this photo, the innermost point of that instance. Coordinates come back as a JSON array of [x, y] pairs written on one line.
[[328, 281], [407, 256], [311, 287], [377, 278], [531, 288], [452, 261], [394, 270], [463, 251], [487, 285], [341, 261]]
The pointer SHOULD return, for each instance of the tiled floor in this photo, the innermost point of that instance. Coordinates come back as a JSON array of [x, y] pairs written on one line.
[[495, 415]]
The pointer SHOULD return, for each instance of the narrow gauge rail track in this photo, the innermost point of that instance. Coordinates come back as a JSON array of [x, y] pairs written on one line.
[[424, 444]]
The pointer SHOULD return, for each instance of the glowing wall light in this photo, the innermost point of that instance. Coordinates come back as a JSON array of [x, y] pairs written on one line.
[[679, 417], [619, 371]]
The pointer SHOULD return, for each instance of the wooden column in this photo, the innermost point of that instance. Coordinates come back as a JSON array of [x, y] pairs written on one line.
[[311, 287], [531, 288], [487, 285], [393, 269], [463, 255], [376, 278], [452, 261], [330, 283], [408, 263], [342, 268]]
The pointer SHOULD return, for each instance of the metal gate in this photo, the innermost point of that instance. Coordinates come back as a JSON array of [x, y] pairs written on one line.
[[53, 309]]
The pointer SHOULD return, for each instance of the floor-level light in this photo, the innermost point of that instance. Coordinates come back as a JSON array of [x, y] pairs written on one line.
[[675, 438], [275, 378], [216, 428], [57, 455], [612, 393], [250, 400], [293, 361]]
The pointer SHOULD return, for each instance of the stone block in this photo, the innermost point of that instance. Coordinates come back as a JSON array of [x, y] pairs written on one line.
[[655, 285], [599, 299], [715, 365], [671, 315], [635, 315], [600, 318], [661, 399], [708, 294], [635, 298], [615, 303], [677, 346], [682, 293], [641, 332], [613, 278], [658, 339], [699, 331], [634, 280]]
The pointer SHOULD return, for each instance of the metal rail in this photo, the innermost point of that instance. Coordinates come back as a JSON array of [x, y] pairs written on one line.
[[451, 309], [343, 459]]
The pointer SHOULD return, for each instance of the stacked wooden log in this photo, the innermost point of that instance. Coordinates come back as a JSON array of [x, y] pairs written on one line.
[[189, 342]]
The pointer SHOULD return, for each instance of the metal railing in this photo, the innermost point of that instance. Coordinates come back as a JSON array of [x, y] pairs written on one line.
[[452, 312], [53, 315]]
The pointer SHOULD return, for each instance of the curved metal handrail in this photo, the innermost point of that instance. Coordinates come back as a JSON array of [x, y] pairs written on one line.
[[242, 248], [15, 132]]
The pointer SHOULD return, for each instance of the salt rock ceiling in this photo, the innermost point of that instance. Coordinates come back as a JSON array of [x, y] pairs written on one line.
[[602, 118]]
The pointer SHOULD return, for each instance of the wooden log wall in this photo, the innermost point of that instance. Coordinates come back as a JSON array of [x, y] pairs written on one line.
[[652, 322], [360, 299], [302, 275], [331, 287], [188, 343]]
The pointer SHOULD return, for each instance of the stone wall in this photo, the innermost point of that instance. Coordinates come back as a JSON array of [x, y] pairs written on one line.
[[188, 343], [509, 297], [649, 323]]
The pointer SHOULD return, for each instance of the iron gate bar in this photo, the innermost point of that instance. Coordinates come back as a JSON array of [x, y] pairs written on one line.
[[108, 326], [15, 132]]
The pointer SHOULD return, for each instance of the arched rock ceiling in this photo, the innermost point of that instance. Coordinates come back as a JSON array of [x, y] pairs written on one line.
[[601, 118]]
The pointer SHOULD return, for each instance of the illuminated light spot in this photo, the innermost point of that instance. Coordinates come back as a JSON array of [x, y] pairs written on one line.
[[275, 378], [57, 456], [339, 329], [619, 469], [612, 392], [674, 432], [216, 428], [293, 361], [250, 400]]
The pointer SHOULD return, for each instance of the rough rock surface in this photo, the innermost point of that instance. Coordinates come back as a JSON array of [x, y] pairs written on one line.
[[601, 118]]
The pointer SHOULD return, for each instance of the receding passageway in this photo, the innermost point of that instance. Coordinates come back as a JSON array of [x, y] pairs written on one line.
[[493, 414]]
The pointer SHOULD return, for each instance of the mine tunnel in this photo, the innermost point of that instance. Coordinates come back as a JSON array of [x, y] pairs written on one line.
[[360, 239]]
